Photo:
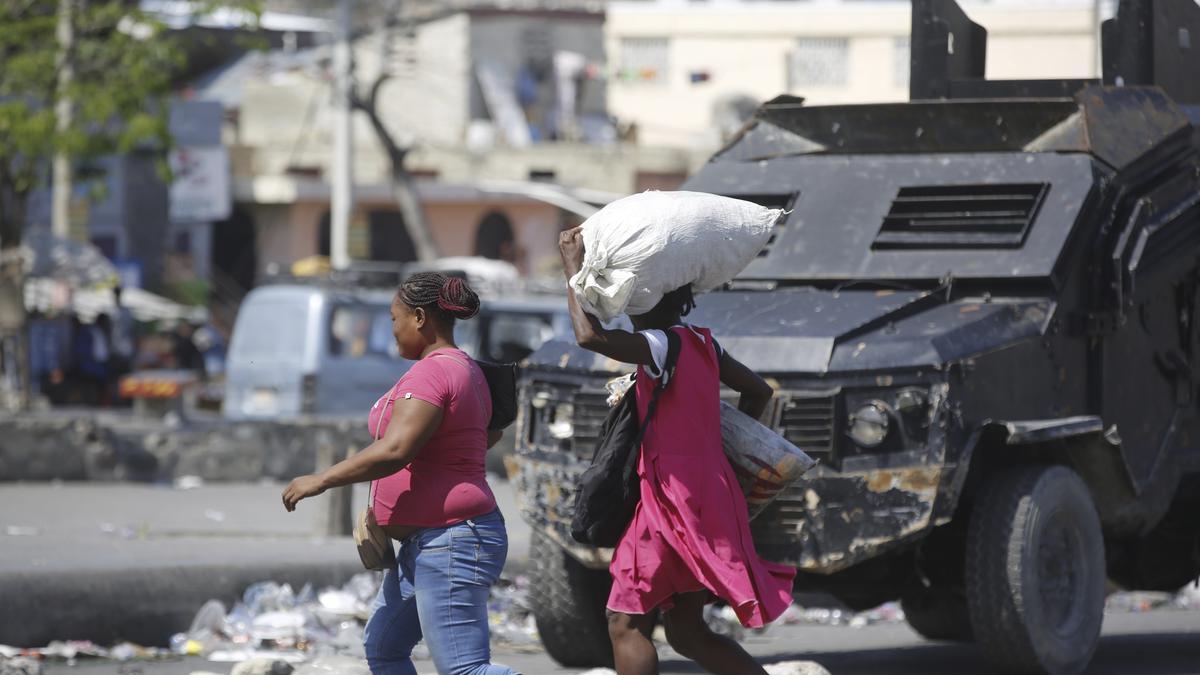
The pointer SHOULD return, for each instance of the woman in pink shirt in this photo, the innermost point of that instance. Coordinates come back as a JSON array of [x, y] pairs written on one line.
[[430, 492]]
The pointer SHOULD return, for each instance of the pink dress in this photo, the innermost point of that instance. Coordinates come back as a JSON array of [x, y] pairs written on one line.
[[690, 531]]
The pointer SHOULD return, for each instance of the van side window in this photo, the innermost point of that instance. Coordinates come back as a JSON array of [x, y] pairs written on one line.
[[382, 341], [512, 337], [357, 331]]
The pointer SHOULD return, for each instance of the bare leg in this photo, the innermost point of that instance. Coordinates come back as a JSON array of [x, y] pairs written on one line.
[[691, 637], [633, 649]]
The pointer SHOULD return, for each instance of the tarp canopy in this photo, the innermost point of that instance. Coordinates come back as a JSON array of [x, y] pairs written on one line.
[[55, 295], [79, 264]]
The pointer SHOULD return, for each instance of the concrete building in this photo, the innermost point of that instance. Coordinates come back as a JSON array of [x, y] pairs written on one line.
[[495, 104], [599, 100], [681, 71]]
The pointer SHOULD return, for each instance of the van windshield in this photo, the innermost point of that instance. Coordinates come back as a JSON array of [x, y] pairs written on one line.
[[357, 331], [271, 331]]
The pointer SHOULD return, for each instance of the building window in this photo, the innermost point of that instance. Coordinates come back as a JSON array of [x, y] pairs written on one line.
[[494, 239], [901, 59], [818, 62], [644, 60]]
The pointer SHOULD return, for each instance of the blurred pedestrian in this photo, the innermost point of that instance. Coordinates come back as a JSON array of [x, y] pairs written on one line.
[[90, 353], [49, 344], [689, 541], [187, 354], [124, 338], [429, 490]]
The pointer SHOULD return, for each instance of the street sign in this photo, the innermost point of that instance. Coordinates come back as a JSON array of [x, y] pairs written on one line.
[[200, 191]]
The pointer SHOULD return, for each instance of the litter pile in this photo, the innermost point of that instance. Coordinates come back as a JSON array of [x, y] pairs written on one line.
[[274, 623], [889, 612], [1187, 598]]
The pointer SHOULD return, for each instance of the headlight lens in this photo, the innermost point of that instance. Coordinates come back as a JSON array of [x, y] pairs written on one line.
[[869, 424], [561, 427]]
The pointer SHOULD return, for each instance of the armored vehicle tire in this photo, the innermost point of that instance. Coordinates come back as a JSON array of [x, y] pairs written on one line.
[[938, 614], [568, 602], [1035, 571]]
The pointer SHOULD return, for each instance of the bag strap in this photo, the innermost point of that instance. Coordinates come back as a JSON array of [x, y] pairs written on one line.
[[378, 427], [673, 346]]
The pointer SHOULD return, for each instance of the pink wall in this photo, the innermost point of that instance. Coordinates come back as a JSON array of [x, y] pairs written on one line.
[[286, 233], [535, 227]]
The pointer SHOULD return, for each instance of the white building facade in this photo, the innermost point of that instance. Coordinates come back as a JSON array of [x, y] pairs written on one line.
[[677, 67]]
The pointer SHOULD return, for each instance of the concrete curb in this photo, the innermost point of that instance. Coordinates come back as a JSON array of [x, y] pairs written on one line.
[[145, 606]]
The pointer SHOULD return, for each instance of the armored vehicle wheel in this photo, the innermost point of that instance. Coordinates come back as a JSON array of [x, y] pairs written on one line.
[[938, 614], [568, 605], [1035, 571]]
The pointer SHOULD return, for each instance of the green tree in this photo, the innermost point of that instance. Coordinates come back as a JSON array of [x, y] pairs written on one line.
[[125, 63]]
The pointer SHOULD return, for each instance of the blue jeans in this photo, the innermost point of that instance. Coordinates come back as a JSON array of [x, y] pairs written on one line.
[[439, 590]]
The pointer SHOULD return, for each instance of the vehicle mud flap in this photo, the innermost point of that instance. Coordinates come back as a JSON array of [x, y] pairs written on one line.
[[568, 603], [1035, 571]]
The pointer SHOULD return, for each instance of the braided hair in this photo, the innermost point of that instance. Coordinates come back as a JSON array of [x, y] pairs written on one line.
[[680, 301], [445, 297]]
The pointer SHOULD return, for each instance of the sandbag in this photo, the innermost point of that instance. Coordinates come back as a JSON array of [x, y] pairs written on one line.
[[764, 461], [638, 248]]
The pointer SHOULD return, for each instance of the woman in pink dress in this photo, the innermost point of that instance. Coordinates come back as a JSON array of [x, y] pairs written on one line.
[[689, 541]]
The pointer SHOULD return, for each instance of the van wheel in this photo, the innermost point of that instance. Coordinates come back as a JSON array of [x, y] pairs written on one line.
[[1035, 571], [938, 614], [568, 602]]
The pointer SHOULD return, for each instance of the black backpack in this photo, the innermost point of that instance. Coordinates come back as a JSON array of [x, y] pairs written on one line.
[[609, 489], [502, 385]]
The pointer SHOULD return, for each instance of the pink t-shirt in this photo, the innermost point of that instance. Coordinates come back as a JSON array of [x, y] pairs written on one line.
[[445, 484]]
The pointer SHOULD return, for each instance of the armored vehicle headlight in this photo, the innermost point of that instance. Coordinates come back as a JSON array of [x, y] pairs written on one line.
[[869, 424], [911, 401], [561, 427]]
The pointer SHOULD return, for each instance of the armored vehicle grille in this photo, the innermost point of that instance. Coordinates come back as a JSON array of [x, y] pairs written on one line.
[[590, 409], [808, 422], [961, 216]]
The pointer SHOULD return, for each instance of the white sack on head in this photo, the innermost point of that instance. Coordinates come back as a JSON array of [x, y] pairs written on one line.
[[641, 247]]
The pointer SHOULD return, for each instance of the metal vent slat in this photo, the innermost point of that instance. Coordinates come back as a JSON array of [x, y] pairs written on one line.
[[590, 409], [961, 216], [808, 422]]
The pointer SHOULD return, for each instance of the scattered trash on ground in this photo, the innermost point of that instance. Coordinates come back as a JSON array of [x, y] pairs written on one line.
[[188, 482], [889, 612], [263, 666], [1189, 597], [334, 665], [1137, 601], [511, 617], [795, 668], [275, 630], [141, 531], [19, 665], [722, 620]]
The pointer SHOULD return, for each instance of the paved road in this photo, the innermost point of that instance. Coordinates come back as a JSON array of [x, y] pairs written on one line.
[[110, 526], [1156, 643], [92, 527], [125, 561]]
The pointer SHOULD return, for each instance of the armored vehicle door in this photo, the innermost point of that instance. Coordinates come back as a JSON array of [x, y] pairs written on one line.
[[1148, 350]]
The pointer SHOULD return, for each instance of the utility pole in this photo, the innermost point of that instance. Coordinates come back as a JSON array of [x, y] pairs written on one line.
[[342, 185], [60, 207]]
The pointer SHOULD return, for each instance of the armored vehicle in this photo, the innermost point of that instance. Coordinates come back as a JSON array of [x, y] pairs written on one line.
[[980, 314]]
